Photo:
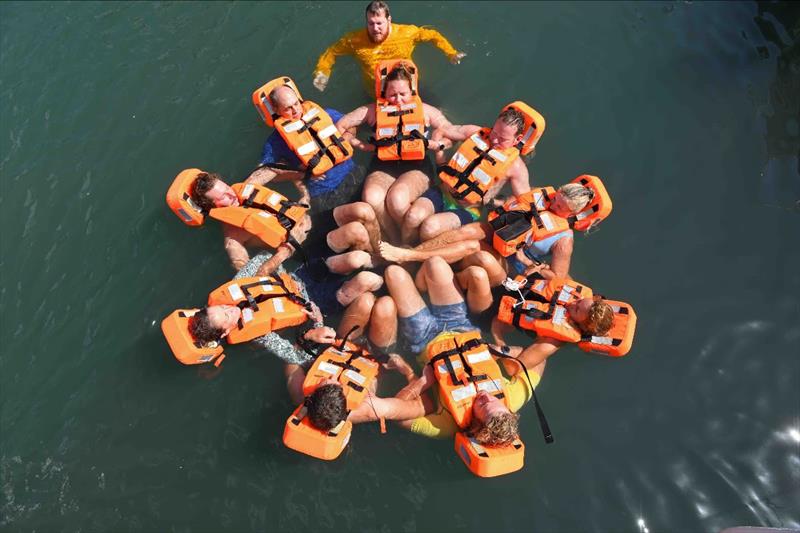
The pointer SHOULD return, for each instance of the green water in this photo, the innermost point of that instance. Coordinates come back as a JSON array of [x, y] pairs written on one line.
[[688, 111]]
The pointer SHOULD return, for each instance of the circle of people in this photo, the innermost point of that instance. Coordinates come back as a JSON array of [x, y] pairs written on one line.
[[431, 262]]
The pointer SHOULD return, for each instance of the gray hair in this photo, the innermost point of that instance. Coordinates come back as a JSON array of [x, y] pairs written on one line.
[[576, 195]]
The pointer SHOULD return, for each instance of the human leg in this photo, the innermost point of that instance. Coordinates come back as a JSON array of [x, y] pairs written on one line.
[[359, 212], [352, 235], [356, 315], [358, 285], [376, 186], [438, 224], [450, 252], [487, 261], [383, 323], [349, 261], [475, 282], [403, 192], [420, 210]]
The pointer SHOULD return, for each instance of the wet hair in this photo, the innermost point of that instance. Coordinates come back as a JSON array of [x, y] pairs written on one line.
[[376, 7], [327, 406], [400, 72], [202, 184], [601, 318], [501, 429], [201, 329], [512, 117], [576, 195]]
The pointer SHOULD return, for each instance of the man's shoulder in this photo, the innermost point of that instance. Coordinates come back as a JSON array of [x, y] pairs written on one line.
[[358, 34]]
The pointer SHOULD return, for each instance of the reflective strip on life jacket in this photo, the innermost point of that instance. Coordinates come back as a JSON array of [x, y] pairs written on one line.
[[268, 303], [262, 212], [476, 167], [619, 339], [314, 139]]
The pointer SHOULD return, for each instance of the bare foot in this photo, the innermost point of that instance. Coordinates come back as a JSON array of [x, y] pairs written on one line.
[[394, 254]]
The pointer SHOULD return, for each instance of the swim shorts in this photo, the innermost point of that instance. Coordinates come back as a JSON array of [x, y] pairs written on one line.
[[444, 203], [421, 328]]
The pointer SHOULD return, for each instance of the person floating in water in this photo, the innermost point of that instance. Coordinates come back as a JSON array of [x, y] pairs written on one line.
[[379, 41]]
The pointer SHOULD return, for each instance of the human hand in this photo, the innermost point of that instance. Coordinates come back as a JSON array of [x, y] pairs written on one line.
[[456, 59], [320, 81], [323, 335], [428, 377]]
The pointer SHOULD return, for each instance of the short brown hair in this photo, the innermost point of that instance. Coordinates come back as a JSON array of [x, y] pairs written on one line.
[[376, 7], [201, 329], [601, 318], [512, 117], [327, 406], [202, 184], [499, 430]]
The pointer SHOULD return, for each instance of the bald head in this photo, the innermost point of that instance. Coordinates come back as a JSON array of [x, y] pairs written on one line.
[[287, 103]]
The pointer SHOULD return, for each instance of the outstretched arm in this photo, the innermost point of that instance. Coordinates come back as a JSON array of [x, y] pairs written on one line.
[[294, 381], [519, 178], [561, 257], [348, 124], [437, 39], [234, 239], [326, 61]]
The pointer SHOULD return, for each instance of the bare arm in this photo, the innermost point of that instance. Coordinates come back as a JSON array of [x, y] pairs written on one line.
[[458, 133], [294, 381], [348, 124], [538, 352], [327, 59], [234, 239], [269, 266], [433, 36], [519, 178], [561, 256]]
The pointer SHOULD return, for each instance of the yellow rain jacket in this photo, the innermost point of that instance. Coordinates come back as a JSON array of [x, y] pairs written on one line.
[[400, 44]]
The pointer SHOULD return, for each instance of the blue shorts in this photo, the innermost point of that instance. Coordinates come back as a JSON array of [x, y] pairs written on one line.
[[465, 216], [420, 329], [536, 251], [277, 151], [321, 286]]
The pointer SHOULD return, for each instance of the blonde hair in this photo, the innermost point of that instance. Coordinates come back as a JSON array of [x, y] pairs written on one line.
[[576, 195], [601, 318], [499, 430]]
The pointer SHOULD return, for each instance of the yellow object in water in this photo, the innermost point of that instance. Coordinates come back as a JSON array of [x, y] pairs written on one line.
[[400, 44]]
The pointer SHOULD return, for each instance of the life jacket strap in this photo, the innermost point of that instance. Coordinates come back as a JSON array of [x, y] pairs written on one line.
[[463, 176]]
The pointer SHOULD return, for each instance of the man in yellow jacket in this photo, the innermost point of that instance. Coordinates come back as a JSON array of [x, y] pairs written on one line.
[[380, 40]]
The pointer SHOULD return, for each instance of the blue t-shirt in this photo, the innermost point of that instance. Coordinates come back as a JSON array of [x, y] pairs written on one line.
[[277, 151]]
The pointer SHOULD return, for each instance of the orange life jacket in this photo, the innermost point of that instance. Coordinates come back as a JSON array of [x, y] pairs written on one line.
[[463, 366], [267, 214], [399, 130], [313, 137], [527, 218], [540, 306], [618, 341], [523, 219], [261, 211], [477, 167], [268, 304], [353, 368], [185, 348], [179, 198]]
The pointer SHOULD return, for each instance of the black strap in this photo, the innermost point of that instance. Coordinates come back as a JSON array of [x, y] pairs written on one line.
[[463, 176], [548, 435], [459, 349]]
